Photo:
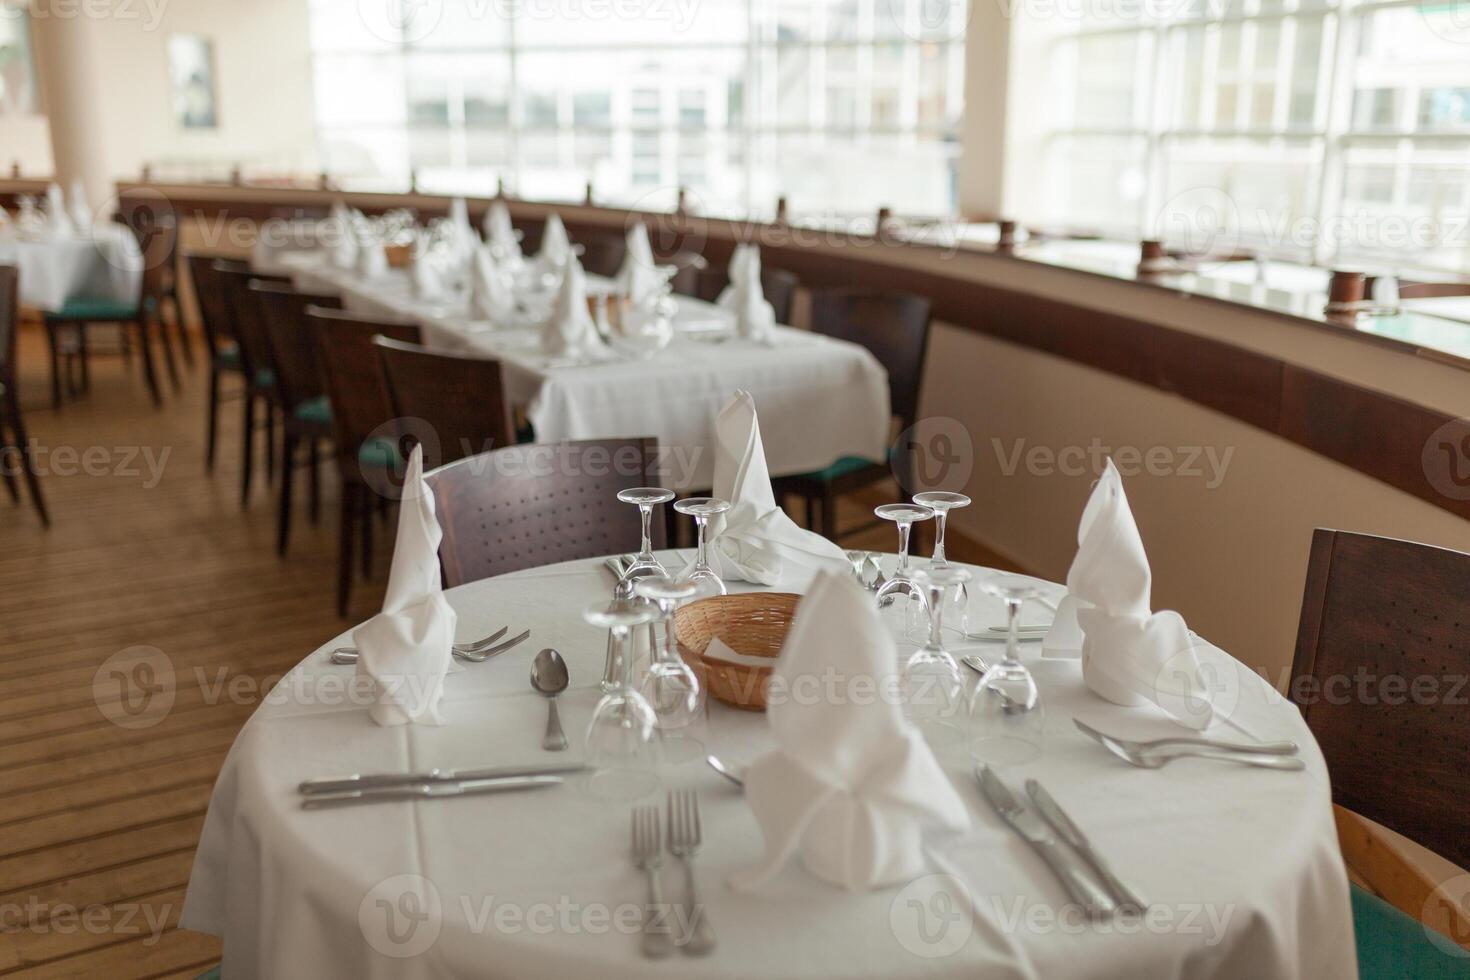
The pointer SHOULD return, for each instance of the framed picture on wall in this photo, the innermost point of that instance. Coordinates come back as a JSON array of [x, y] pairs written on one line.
[[191, 76]]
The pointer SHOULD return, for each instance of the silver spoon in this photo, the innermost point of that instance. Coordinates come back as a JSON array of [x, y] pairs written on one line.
[[724, 770], [549, 678]]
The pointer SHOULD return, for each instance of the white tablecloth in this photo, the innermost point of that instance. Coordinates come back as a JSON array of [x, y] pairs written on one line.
[[819, 398], [105, 263], [1241, 865]]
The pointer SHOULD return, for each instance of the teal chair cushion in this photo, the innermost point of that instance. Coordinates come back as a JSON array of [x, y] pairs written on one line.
[[265, 378], [81, 308], [209, 975], [230, 356], [1393, 946], [380, 453], [317, 410], [525, 434]]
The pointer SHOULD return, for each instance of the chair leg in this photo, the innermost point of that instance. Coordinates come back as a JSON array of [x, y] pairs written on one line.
[[83, 360], [10, 457], [283, 516], [146, 353], [346, 534], [33, 482], [212, 433], [186, 345], [829, 513], [367, 533], [55, 344], [247, 447], [270, 441], [168, 353], [314, 478], [811, 519]]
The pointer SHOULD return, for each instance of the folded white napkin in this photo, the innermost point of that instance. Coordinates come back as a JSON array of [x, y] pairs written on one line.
[[56, 215], [463, 233], [1130, 654], [342, 227], [491, 295], [405, 649], [5, 221], [555, 246], [638, 277], [851, 785], [754, 540], [81, 211], [755, 319], [570, 330], [372, 260], [428, 277], [501, 234]]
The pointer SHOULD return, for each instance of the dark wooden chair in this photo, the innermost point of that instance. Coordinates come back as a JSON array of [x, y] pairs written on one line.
[[252, 351], [144, 216], [538, 504], [300, 392], [219, 343], [363, 434], [602, 255], [1382, 654], [895, 327], [13, 438], [67, 328], [455, 406], [778, 286]]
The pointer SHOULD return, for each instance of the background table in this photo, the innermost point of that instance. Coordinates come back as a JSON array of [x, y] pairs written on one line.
[[105, 263], [819, 398], [1241, 864]]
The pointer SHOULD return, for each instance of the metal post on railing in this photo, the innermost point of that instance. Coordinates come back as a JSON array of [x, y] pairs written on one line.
[[587, 198], [680, 202], [1007, 235], [499, 188], [781, 210], [145, 174], [15, 170], [324, 180], [237, 178]]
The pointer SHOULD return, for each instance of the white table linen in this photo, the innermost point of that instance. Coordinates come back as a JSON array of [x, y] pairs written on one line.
[[821, 398], [102, 263], [1242, 865]]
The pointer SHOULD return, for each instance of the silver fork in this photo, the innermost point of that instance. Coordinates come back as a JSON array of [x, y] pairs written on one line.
[[648, 856], [685, 836], [347, 655]]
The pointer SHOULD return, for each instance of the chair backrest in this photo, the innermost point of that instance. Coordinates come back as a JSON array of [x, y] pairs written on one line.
[[460, 402], [531, 505], [295, 353], [777, 285], [155, 225], [209, 299], [354, 379], [1382, 657], [893, 326], [9, 319], [689, 264], [244, 314], [602, 255]]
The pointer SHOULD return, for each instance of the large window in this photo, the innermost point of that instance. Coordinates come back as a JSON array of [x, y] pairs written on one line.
[[841, 105], [17, 75], [1330, 131]]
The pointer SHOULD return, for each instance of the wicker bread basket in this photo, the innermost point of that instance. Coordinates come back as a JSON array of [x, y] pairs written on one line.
[[754, 624]]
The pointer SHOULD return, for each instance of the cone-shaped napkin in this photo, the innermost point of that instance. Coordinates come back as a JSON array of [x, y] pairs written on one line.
[[754, 540], [81, 211], [56, 215], [405, 649], [851, 785], [1130, 654], [372, 260], [570, 329], [490, 290], [555, 246], [342, 226], [428, 283], [755, 319], [638, 277], [501, 234]]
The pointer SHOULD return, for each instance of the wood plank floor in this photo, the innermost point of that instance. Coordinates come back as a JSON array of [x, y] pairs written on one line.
[[99, 821]]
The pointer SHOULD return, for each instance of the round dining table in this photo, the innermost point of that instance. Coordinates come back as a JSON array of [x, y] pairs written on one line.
[[104, 262], [1240, 866]]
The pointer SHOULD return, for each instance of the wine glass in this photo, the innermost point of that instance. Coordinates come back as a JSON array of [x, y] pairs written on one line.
[[671, 685], [942, 502], [902, 581], [646, 498], [622, 738], [702, 509], [861, 561], [931, 679], [1006, 718]]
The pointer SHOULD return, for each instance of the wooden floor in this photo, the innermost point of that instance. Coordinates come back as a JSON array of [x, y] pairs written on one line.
[[99, 821]]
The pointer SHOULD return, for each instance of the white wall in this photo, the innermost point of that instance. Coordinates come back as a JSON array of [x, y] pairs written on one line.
[[25, 140]]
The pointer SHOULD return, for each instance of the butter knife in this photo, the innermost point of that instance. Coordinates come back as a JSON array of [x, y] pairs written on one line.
[[360, 781], [1128, 900], [1080, 885], [428, 791]]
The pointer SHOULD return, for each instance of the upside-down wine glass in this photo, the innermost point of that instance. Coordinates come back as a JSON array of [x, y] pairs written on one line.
[[902, 581], [942, 502], [932, 689], [622, 738], [646, 498], [1006, 718], [702, 509], [670, 684]]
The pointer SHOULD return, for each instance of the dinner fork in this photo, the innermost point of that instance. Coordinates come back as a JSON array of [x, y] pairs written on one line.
[[1159, 758], [470, 646], [685, 836], [648, 857]]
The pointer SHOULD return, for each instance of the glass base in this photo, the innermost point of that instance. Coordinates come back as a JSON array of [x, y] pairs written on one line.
[[938, 732], [1001, 751], [682, 749], [620, 785]]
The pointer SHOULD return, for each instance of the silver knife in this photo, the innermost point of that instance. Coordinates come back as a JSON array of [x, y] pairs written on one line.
[[359, 781], [1080, 885], [1128, 899], [429, 791]]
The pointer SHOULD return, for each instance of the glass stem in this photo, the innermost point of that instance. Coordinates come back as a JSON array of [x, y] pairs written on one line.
[[936, 617], [620, 651], [700, 559], [939, 516], [1013, 631], [646, 512], [903, 547]]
